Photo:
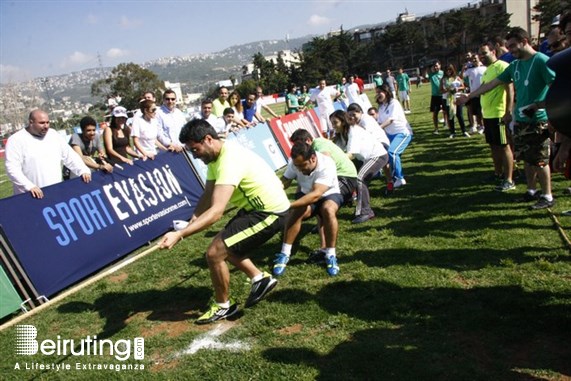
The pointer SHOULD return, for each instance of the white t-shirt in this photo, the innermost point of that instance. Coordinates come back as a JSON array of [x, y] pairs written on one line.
[[147, 132], [372, 127], [353, 96], [474, 75], [324, 99], [362, 146], [394, 111], [32, 161], [325, 173]]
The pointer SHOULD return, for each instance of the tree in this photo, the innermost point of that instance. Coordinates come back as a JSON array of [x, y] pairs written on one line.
[[129, 81], [547, 10]]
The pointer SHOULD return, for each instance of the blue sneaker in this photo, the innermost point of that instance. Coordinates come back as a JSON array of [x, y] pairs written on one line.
[[280, 264], [332, 267]]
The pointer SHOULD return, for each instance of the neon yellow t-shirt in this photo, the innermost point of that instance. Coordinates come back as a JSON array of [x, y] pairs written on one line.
[[256, 186], [494, 101]]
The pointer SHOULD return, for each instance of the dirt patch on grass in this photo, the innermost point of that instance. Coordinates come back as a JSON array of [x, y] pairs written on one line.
[[118, 278], [296, 328]]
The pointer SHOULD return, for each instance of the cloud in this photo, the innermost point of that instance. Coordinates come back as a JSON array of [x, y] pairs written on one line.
[[116, 53], [12, 74], [76, 59], [316, 20], [127, 23], [92, 19]]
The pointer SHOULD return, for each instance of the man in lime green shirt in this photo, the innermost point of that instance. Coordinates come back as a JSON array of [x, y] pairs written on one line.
[[496, 111], [239, 176]]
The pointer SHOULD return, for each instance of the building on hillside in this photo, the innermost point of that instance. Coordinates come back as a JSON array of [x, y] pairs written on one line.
[[406, 17]]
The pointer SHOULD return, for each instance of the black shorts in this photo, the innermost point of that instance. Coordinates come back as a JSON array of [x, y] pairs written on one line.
[[435, 103], [347, 185], [316, 206], [476, 106], [496, 132], [249, 230]]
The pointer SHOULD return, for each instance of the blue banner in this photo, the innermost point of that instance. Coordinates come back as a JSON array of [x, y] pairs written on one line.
[[79, 228], [261, 140]]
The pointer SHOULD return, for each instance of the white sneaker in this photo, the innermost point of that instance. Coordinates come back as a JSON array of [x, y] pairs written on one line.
[[452, 136], [407, 111], [480, 130], [441, 120], [399, 183], [473, 130], [466, 134]]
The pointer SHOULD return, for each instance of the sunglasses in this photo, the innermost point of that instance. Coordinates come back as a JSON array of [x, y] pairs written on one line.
[[170, 99]]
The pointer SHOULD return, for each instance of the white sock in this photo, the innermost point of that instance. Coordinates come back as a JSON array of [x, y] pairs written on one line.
[[330, 252], [257, 277], [224, 305], [286, 249], [532, 192], [548, 197]]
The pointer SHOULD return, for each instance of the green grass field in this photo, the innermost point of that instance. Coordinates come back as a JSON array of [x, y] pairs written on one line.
[[451, 281]]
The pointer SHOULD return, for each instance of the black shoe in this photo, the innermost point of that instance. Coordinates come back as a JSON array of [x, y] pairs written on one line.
[[317, 257], [542, 203], [260, 289], [528, 197]]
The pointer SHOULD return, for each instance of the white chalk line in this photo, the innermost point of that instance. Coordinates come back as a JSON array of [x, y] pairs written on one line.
[[210, 341]]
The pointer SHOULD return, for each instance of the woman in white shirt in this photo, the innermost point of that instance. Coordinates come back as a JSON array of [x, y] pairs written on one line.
[[393, 121], [145, 131], [363, 147]]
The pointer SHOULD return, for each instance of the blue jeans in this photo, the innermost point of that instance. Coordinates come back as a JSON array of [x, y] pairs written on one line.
[[399, 142]]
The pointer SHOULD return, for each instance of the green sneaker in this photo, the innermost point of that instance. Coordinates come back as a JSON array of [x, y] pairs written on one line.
[[216, 313]]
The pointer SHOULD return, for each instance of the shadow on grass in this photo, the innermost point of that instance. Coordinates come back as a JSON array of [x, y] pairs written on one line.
[[496, 333], [455, 259], [116, 308]]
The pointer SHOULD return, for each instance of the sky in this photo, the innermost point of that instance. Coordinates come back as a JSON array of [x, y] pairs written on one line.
[[46, 37]]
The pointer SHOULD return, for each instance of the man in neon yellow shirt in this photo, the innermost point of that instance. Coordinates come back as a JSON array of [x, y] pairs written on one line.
[[496, 111], [239, 176]]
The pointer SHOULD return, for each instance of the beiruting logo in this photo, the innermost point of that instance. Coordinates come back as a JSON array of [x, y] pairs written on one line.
[[28, 345]]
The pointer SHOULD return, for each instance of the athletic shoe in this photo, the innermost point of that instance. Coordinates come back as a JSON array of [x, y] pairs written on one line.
[[528, 197], [441, 120], [332, 267], [399, 183], [407, 111], [390, 188], [480, 130], [466, 134], [260, 289], [452, 136], [280, 264], [435, 132], [505, 186], [316, 257], [566, 213], [216, 313], [363, 218], [473, 130], [542, 203]]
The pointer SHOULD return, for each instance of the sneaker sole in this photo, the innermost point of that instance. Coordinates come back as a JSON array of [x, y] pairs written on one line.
[[269, 287]]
